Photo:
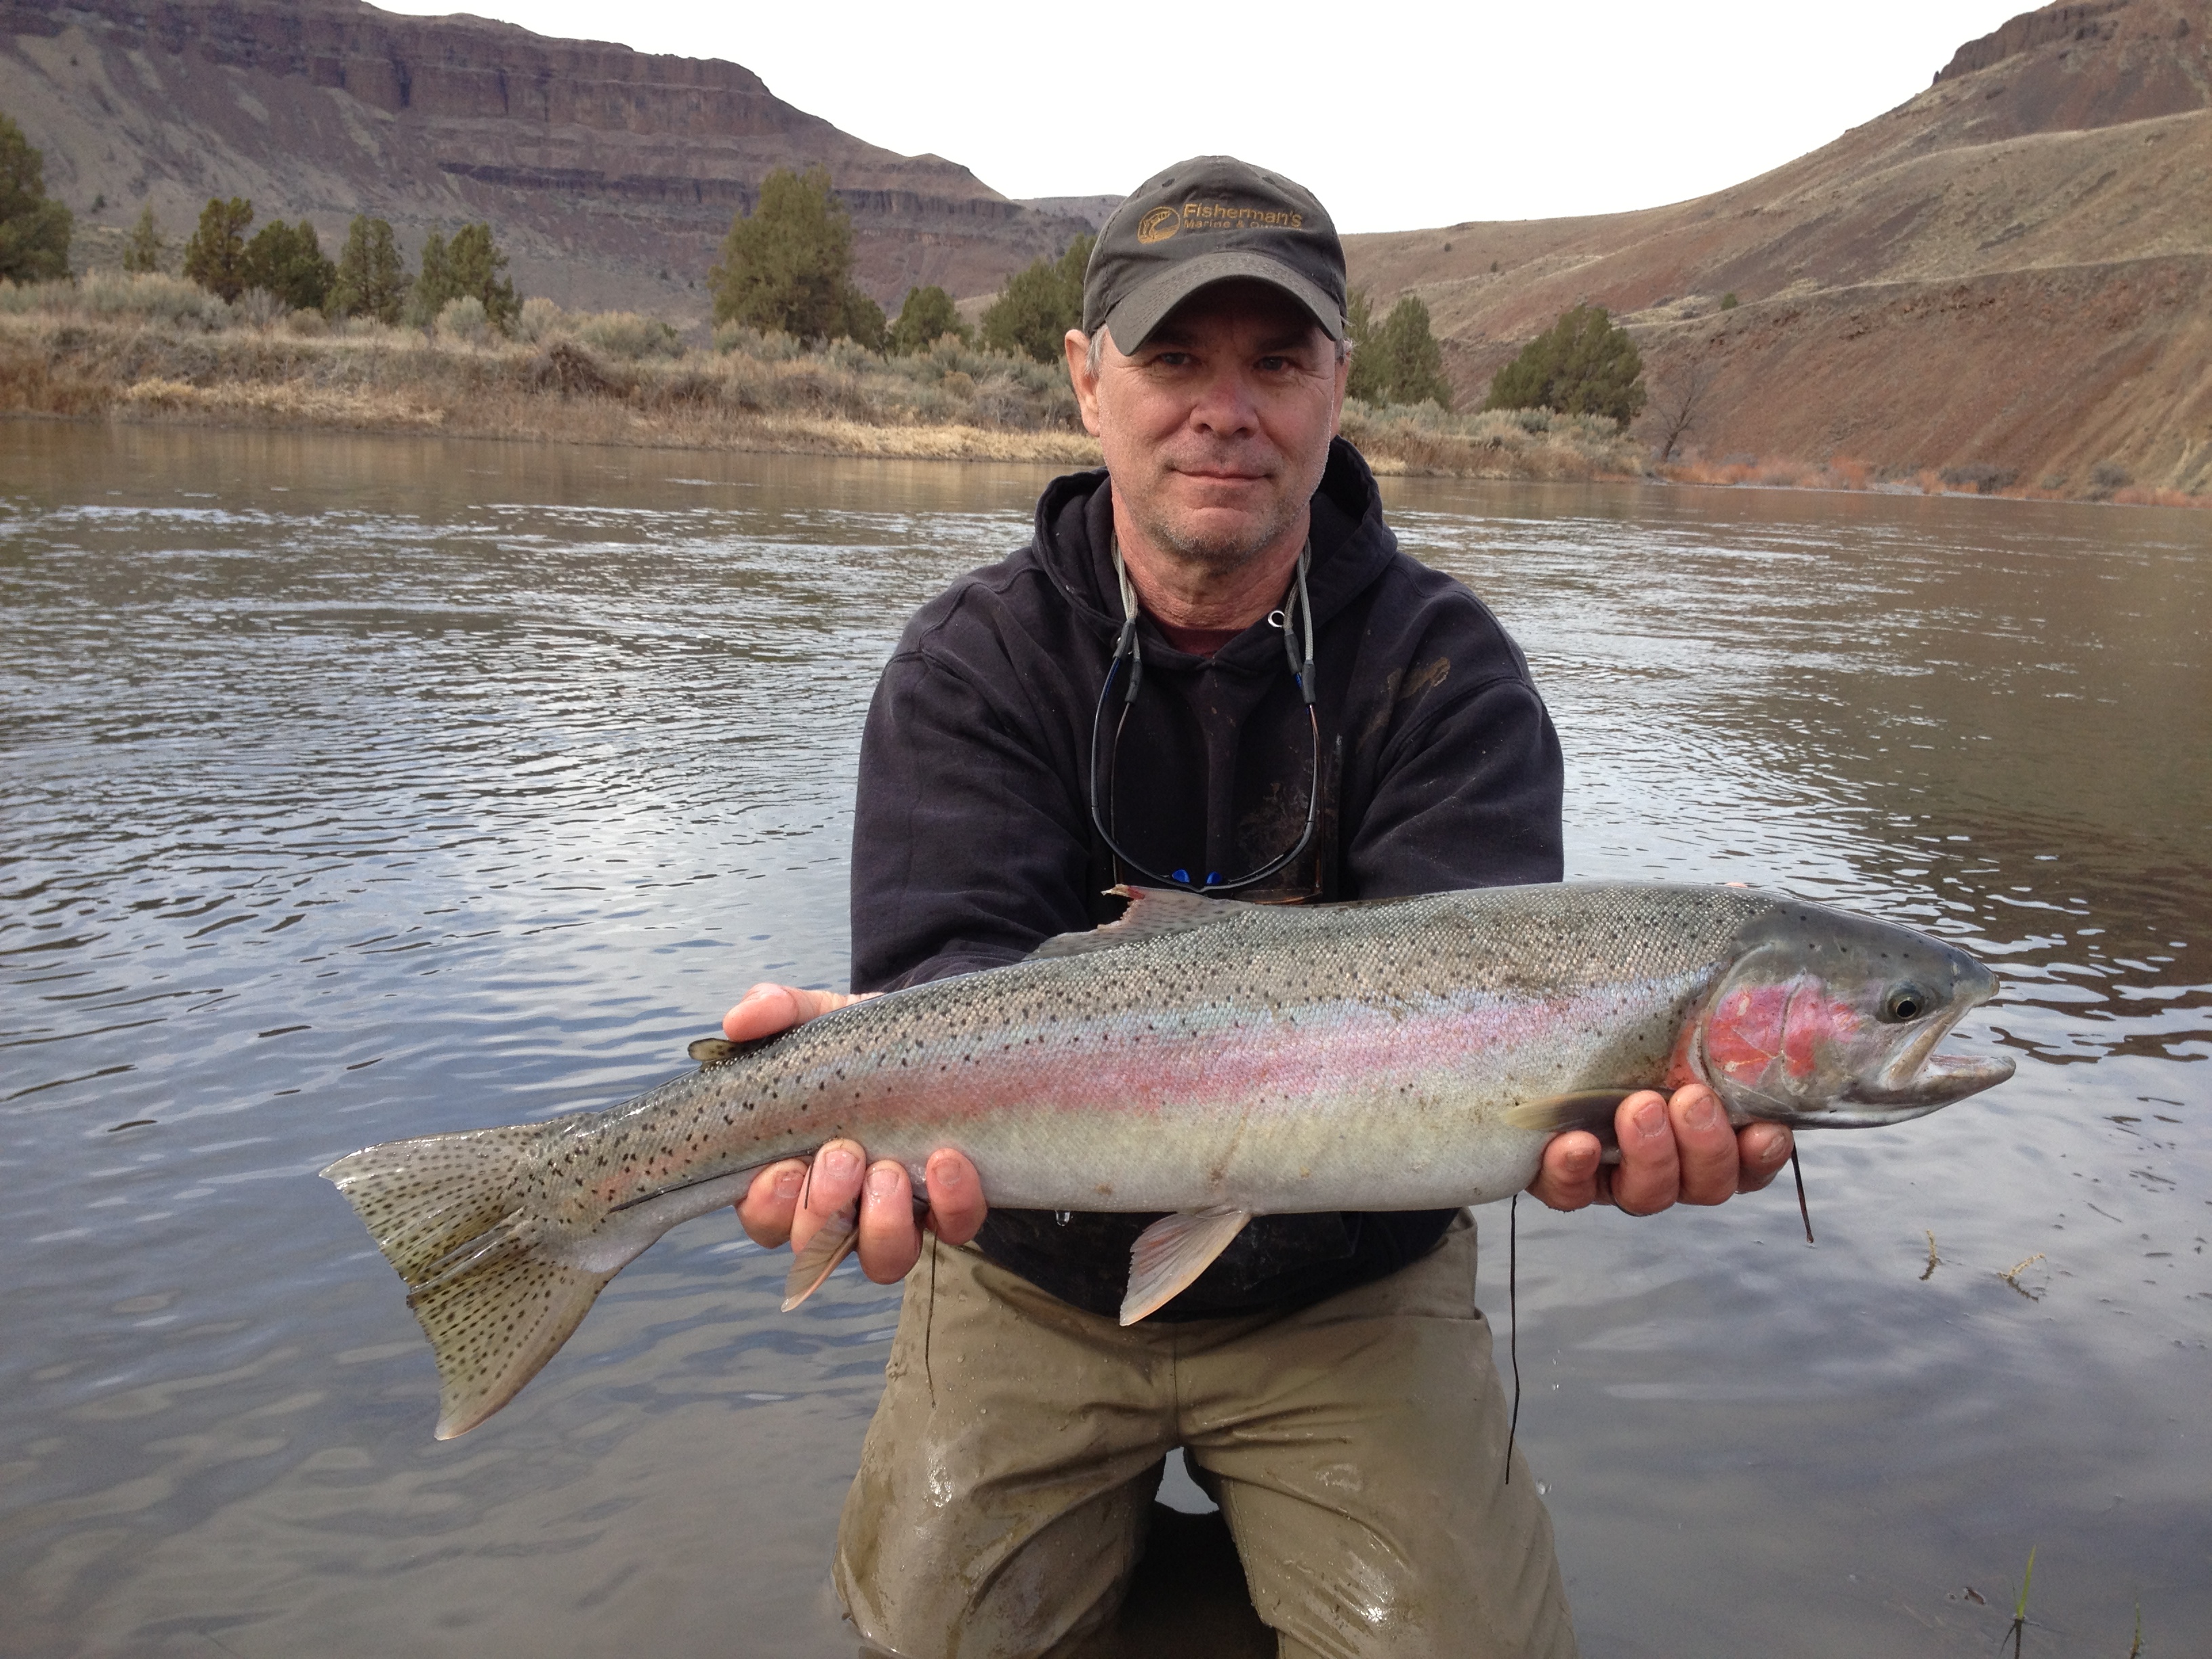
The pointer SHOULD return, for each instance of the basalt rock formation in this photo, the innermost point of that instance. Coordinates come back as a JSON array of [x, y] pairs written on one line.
[[2011, 272], [609, 175]]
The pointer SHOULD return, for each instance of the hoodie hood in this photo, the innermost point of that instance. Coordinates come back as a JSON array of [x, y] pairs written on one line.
[[1352, 548]]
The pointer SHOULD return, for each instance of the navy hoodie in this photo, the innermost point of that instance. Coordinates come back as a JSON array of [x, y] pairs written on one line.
[[973, 842]]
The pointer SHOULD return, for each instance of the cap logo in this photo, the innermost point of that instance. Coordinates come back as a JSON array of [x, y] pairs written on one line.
[[1162, 223]]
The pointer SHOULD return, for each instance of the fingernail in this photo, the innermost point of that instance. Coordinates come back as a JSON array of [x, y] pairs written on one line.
[[838, 1162], [1704, 1113], [883, 1181], [787, 1183], [1651, 1121]]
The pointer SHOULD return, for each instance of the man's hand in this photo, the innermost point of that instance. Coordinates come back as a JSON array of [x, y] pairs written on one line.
[[1680, 1151], [891, 1238]]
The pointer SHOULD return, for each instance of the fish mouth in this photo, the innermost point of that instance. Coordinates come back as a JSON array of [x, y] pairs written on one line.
[[1920, 1081]]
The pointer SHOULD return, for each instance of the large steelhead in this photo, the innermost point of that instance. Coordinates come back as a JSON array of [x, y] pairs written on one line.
[[1209, 1059]]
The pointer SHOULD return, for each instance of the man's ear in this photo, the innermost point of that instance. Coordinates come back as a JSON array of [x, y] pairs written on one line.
[[1077, 345]]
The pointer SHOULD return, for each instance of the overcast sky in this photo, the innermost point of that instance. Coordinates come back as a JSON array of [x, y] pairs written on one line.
[[1398, 113]]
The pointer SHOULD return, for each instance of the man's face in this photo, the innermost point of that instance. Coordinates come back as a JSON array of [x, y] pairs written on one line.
[[1216, 430]]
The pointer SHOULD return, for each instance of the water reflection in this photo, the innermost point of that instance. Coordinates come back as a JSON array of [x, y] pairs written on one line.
[[363, 788]]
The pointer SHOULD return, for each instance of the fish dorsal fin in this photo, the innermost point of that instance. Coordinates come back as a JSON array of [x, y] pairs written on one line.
[[1153, 912], [830, 1245], [1173, 1251], [721, 1051], [1585, 1108]]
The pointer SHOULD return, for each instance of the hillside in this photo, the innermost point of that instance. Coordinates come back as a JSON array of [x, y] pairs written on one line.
[[2012, 270], [609, 175]]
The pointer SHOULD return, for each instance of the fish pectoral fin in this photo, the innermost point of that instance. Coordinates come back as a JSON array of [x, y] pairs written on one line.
[[1173, 1251], [828, 1247], [1153, 912], [1584, 1109]]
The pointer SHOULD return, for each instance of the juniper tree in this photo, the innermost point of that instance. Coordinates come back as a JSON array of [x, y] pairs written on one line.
[[34, 231], [215, 255], [1584, 364], [926, 318], [142, 254], [787, 264], [370, 279], [288, 261], [1038, 305]]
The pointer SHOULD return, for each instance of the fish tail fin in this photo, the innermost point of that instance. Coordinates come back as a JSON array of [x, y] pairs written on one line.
[[446, 1213]]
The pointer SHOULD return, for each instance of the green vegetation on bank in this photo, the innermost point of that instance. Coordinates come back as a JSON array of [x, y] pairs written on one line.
[[1584, 364], [1399, 361], [1038, 305], [156, 347], [788, 265], [34, 231]]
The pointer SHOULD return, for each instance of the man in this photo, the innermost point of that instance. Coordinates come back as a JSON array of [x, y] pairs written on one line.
[[1328, 1376]]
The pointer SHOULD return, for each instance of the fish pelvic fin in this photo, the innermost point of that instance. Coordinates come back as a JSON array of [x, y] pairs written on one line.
[[832, 1242], [1172, 1252], [445, 1212], [1584, 1109]]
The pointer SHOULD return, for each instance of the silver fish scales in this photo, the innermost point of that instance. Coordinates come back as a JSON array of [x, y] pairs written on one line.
[[1208, 1059]]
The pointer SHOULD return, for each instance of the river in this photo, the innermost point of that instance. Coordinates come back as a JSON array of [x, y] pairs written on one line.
[[365, 788]]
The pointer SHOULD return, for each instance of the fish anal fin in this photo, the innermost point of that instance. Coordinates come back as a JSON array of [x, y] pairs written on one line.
[[1582, 1108], [1153, 912], [1172, 1252], [831, 1243]]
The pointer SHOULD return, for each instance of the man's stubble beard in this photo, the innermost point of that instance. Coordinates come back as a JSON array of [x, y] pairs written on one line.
[[1219, 554]]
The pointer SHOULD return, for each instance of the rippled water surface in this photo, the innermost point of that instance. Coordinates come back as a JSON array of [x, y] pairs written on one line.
[[363, 788]]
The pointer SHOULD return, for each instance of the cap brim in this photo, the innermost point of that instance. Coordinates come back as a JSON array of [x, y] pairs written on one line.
[[1146, 306]]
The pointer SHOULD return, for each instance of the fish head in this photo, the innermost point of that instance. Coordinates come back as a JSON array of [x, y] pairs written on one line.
[[1830, 1020]]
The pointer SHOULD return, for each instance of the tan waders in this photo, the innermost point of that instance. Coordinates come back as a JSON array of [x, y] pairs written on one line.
[[1356, 1448]]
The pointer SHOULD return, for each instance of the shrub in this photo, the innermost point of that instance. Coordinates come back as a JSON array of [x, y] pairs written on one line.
[[626, 334], [151, 295], [1983, 478], [309, 324], [765, 345], [2106, 477], [927, 317], [370, 280], [1729, 302], [788, 265], [1584, 364], [142, 252], [1038, 307], [288, 261], [539, 320], [465, 317], [34, 232], [257, 308], [215, 255]]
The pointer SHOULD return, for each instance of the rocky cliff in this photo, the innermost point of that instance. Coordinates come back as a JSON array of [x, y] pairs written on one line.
[[2012, 269], [610, 175]]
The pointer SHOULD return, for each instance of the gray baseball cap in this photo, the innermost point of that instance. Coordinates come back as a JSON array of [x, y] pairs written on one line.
[[1205, 220]]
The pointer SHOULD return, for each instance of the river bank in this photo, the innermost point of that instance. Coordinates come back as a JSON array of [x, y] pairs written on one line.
[[153, 348]]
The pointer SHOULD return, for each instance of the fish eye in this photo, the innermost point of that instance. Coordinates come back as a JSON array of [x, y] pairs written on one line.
[[1905, 1003]]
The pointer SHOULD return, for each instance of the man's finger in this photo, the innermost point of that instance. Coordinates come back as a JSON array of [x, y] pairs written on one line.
[[1649, 1177], [767, 1208], [766, 1010], [1762, 1149], [832, 1185], [957, 1208], [890, 1239], [1567, 1178], [1705, 1142]]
